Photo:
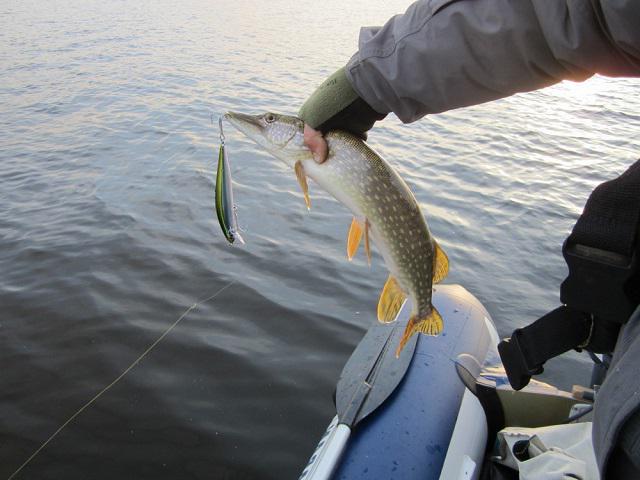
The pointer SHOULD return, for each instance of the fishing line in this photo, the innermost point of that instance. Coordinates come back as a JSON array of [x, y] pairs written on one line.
[[119, 377]]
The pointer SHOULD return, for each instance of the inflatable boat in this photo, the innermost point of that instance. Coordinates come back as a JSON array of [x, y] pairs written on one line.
[[435, 411]]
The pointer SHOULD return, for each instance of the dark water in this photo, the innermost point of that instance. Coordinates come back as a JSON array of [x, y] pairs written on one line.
[[108, 233]]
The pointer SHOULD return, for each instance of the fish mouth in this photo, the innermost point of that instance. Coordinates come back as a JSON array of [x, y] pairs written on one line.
[[237, 119], [250, 125], [245, 123]]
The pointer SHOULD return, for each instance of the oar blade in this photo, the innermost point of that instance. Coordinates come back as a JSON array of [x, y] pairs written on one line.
[[373, 372]]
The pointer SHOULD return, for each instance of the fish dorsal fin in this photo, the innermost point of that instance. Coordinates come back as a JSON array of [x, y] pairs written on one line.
[[431, 324], [391, 300], [440, 263], [367, 245], [353, 238], [302, 180]]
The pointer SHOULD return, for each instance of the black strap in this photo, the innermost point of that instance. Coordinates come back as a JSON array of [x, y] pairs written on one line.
[[601, 291], [528, 348]]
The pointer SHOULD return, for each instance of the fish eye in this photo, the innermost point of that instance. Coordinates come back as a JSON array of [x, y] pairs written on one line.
[[270, 118]]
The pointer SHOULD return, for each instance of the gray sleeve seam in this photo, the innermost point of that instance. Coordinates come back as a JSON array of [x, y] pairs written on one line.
[[377, 53]]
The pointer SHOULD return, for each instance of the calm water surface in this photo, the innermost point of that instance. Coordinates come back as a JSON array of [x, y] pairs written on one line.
[[108, 232]]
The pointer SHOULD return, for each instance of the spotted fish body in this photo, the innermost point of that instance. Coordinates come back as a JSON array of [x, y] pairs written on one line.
[[360, 179], [382, 204]]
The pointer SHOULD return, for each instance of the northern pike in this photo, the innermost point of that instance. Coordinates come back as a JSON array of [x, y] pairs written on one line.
[[384, 209]]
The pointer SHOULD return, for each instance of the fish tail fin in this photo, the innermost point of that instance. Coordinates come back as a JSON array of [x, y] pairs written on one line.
[[430, 324]]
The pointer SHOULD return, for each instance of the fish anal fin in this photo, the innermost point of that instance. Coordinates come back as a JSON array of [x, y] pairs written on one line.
[[302, 180], [367, 245], [440, 263], [353, 238], [391, 300], [430, 324]]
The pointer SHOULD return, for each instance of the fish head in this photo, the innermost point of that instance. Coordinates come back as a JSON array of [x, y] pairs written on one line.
[[280, 135]]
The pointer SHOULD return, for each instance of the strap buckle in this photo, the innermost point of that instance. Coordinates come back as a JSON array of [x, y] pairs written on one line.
[[515, 363], [597, 282]]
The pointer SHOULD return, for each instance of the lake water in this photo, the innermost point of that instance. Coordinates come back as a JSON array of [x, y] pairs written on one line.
[[108, 231]]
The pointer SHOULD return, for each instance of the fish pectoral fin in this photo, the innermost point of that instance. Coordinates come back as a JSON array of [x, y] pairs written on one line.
[[367, 245], [391, 300], [430, 324], [440, 263], [302, 180], [353, 238]]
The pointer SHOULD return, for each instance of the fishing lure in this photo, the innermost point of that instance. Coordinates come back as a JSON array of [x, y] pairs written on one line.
[[225, 208]]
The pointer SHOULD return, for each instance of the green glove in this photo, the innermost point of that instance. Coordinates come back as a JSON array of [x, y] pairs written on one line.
[[335, 105]]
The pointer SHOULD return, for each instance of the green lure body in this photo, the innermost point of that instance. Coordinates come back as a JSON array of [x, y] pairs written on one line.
[[225, 208]]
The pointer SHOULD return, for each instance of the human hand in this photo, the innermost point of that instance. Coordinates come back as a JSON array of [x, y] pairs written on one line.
[[316, 143], [335, 105]]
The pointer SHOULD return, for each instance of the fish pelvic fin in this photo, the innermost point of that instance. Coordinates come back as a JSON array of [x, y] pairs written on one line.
[[302, 180], [440, 263], [353, 238], [391, 300], [430, 324]]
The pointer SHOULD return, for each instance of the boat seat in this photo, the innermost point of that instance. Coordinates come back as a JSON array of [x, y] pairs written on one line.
[[539, 404]]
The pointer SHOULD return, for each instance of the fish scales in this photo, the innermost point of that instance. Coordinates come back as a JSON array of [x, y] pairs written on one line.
[[398, 227]]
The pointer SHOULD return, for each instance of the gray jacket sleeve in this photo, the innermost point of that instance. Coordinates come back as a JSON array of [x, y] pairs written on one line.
[[445, 54]]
